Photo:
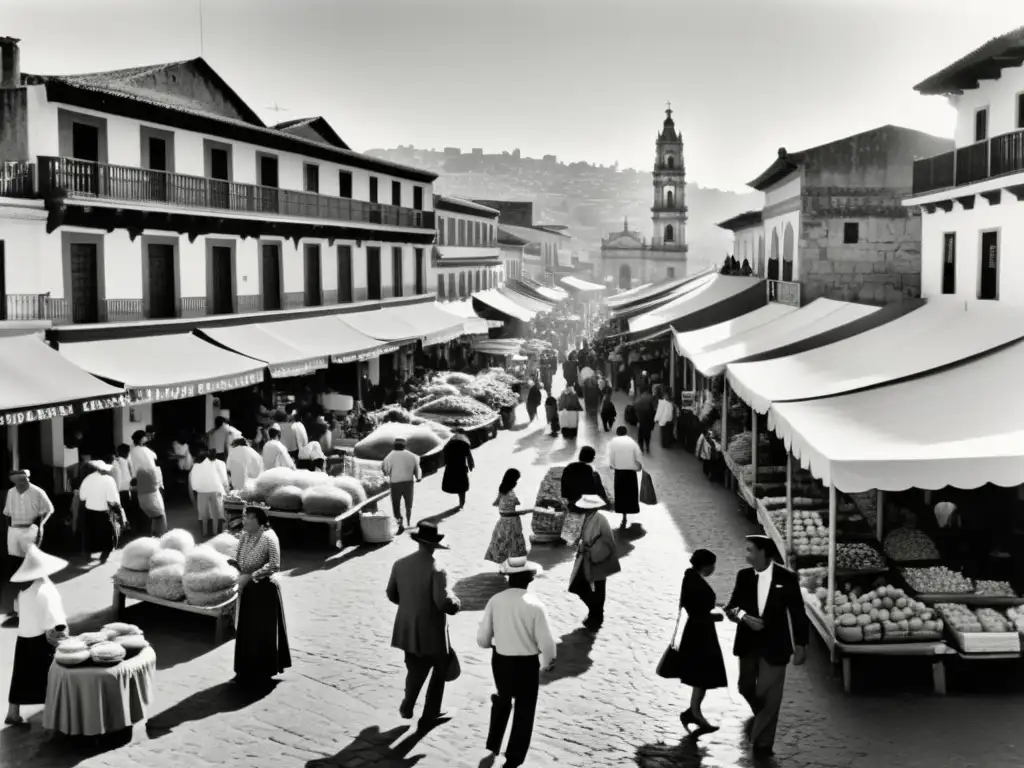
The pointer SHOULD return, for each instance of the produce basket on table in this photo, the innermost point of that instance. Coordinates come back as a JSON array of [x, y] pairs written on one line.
[[980, 630], [552, 522], [938, 584], [479, 421]]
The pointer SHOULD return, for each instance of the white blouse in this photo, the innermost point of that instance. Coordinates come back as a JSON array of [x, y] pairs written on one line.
[[40, 609]]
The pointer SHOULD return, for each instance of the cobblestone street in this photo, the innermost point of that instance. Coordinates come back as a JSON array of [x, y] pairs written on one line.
[[603, 704]]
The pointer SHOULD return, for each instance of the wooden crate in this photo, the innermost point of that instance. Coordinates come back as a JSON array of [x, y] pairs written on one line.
[[985, 642]]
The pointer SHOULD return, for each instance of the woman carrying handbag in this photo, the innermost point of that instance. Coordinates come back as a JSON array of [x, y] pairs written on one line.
[[698, 661]]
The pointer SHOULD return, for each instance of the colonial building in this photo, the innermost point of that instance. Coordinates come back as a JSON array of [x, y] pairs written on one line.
[[833, 222], [627, 259], [467, 257], [171, 242], [513, 253], [970, 197], [547, 247]]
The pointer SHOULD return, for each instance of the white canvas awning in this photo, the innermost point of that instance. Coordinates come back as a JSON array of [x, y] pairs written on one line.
[[692, 342], [818, 317], [580, 286], [471, 323], [935, 335], [717, 298], [962, 426]]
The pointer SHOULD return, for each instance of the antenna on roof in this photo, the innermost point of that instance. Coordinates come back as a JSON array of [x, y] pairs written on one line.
[[276, 108], [202, 50]]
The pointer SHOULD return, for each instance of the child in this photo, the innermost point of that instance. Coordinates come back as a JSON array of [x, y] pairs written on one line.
[[551, 411], [608, 412]]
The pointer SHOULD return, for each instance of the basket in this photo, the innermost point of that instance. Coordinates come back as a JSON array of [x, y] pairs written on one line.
[[377, 529]]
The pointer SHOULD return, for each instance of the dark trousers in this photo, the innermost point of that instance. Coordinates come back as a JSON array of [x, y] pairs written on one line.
[[762, 684], [416, 670], [643, 436], [399, 491], [517, 679], [592, 598]]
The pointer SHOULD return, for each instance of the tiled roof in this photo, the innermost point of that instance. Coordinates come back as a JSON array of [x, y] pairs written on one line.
[[984, 62], [119, 84], [507, 238], [742, 221], [318, 125]]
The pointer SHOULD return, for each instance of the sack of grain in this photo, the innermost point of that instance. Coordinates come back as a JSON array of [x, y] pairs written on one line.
[[224, 543], [212, 580], [326, 501], [205, 558], [126, 577], [166, 582], [272, 479], [178, 539], [352, 487], [210, 598], [135, 555], [166, 557], [287, 498]]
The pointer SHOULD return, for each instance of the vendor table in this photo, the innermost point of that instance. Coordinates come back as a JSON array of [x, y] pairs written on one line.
[[336, 523], [93, 700], [223, 613]]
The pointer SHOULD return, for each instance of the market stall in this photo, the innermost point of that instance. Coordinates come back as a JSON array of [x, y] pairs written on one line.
[[711, 300]]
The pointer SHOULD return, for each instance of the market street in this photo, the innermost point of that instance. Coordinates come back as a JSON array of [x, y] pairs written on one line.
[[602, 706]]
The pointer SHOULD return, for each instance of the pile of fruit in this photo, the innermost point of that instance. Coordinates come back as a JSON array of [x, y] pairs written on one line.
[[813, 580], [858, 556], [810, 534], [799, 502], [884, 612], [937, 580], [964, 620], [907, 544], [456, 411], [1016, 617], [987, 588]]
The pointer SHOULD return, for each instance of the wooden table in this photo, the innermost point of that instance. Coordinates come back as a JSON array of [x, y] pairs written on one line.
[[223, 614], [334, 524]]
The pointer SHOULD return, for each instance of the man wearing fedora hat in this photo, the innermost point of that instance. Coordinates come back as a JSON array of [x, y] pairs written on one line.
[[419, 587], [27, 509], [515, 626]]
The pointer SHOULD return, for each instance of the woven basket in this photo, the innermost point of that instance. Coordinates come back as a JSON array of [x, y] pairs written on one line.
[[377, 529]]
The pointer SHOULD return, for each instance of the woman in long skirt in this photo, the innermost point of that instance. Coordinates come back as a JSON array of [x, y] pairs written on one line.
[[458, 463], [261, 644], [507, 540], [42, 624]]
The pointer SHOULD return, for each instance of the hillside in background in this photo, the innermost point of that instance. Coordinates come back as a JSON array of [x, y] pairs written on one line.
[[591, 200]]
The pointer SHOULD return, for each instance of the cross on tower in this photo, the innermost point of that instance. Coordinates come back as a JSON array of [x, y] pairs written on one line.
[[669, 105]]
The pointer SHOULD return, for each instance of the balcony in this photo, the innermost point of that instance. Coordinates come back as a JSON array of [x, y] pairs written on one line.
[[999, 156], [86, 180], [17, 180]]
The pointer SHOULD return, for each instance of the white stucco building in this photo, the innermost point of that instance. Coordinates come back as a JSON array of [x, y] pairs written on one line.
[[466, 257], [970, 198]]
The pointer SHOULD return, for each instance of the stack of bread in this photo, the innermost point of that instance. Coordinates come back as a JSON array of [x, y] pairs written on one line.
[[71, 652], [134, 570], [128, 636], [209, 578], [107, 653]]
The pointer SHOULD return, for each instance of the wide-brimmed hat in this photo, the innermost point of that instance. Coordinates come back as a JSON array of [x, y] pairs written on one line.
[[100, 466], [18, 472], [520, 565], [38, 564], [427, 533], [400, 441], [590, 501]]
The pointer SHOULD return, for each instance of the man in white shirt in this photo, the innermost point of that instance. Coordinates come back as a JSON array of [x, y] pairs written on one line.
[[275, 453], [243, 463], [515, 626], [207, 483], [141, 456], [221, 437], [402, 469], [624, 457], [99, 497], [27, 508]]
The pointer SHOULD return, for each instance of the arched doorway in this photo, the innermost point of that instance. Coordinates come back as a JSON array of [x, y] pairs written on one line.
[[787, 253], [773, 257], [670, 233], [625, 278]]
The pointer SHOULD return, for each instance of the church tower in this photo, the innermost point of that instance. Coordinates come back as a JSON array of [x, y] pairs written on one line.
[[669, 210]]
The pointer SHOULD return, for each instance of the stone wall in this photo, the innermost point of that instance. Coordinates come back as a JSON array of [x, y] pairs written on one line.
[[883, 267]]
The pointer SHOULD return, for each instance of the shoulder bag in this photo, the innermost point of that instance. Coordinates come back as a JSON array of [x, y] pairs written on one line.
[[671, 663]]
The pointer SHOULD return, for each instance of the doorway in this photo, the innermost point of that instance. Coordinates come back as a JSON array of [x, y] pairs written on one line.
[[221, 283], [220, 167], [271, 287], [158, 165], [161, 281], [85, 293], [268, 181], [85, 145]]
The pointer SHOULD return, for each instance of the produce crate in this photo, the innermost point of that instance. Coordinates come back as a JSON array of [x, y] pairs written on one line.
[[377, 529], [985, 642], [546, 526]]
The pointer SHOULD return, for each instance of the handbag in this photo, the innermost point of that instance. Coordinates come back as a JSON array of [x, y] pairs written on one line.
[[671, 664], [647, 494], [454, 669]]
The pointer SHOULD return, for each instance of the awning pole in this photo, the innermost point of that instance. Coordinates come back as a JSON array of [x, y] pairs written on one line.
[[880, 516], [753, 448], [672, 367], [789, 507], [832, 515], [725, 415]]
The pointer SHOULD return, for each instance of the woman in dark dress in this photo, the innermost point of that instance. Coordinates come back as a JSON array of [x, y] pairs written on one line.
[[533, 399], [458, 463], [701, 664]]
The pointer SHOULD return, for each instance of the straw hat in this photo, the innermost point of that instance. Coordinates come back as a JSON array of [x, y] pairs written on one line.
[[427, 533], [100, 466], [38, 564], [590, 501], [520, 565]]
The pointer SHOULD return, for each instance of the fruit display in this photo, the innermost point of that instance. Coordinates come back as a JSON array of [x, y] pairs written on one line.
[[883, 613], [858, 556], [960, 617], [799, 502], [1016, 616], [456, 411], [993, 621], [810, 534], [988, 588], [983, 630], [937, 580], [908, 544]]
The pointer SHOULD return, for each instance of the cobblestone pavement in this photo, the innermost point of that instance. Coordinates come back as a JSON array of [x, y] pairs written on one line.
[[603, 706]]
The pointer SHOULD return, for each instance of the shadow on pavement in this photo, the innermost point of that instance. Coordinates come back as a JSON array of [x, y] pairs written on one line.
[[624, 538], [686, 754], [474, 591], [440, 517], [226, 697], [573, 655], [372, 747], [300, 563], [549, 556], [27, 746]]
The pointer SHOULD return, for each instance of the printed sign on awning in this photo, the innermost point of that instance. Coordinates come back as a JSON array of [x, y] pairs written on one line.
[[195, 389], [29, 415]]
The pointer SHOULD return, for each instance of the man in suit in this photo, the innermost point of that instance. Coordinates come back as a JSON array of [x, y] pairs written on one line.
[[766, 603], [419, 587]]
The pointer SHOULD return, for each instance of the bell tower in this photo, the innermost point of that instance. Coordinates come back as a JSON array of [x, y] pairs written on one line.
[[669, 210]]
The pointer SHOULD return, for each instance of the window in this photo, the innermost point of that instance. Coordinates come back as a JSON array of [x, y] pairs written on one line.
[[396, 271], [344, 184], [451, 286], [1020, 110], [450, 240], [345, 273], [490, 234], [312, 176], [981, 124], [373, 189], [476, 233], [417, 198], [988, 284], [440, 231], [314, 297], [373, 273], [670, 162], [462, 232], [440, 287], [851, 233], [462, 285], [949, 263], [670, 273], [421, 277], [396, 193], [670, 233]]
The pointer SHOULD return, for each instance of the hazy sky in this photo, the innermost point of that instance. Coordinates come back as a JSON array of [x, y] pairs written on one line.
[[582, 79]]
